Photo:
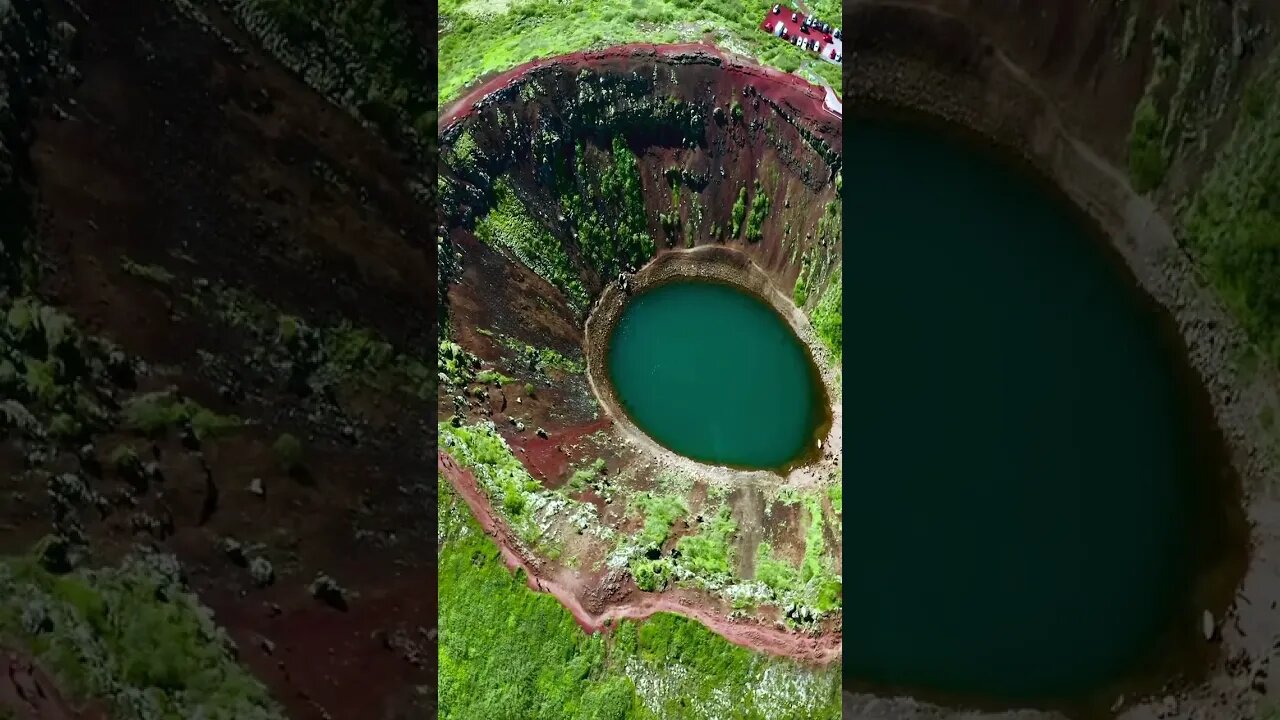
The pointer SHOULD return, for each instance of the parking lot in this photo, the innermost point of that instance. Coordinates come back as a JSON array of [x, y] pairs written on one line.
[[829, 47]]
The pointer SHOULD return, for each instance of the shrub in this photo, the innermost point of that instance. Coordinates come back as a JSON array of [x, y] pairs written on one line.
[[1147, 159], [288, 451], [759, 212], [738, 214]]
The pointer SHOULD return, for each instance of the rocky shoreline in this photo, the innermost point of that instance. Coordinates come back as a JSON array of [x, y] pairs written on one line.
[[725, 265]]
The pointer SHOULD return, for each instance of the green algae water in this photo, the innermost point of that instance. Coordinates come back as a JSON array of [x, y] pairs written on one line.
[[1030, 501], [713, 373]]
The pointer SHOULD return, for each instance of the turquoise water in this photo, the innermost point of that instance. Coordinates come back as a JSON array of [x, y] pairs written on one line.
[[1029, 495], [715, 374]]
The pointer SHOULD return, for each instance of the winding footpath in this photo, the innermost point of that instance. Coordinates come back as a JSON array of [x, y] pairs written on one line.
[[753, 635]]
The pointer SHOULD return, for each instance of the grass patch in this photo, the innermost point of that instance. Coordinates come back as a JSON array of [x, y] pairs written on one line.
[[517, 31], [828, 319], [506, 651], [509, 226], [132, 636], [1148, 161], [582, 477], [660, 512], [709, 554], [1232, 225]]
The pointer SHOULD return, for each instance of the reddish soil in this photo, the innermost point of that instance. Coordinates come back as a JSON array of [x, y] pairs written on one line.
[[632, 603], [28, 692], [548, 458]]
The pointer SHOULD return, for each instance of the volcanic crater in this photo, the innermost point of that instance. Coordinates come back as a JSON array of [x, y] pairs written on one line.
[[569, 186]]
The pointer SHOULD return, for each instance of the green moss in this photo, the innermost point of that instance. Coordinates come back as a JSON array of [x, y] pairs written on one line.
[[493, 377], [499, 473], [457, 367], [540, 360], [465, 150], [800, 294], [813, 584], [780, 576]]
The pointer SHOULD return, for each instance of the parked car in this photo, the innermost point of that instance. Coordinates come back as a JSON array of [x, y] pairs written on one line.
[[837, 34], [777, 9], [795, 16]]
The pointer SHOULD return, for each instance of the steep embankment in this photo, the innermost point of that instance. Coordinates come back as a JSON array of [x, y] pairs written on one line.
[[563, 175], [1153, 118], [215, 321]]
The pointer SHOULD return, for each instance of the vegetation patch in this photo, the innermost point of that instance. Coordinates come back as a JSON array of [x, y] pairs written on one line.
[[709, 553], [154, 273], [506, 651], [1232, 223], [134, 636], [605, 205], [540, 360], [759, 213], [828, 320], [509, 226], [738, 213], [517, 31], [157, 412], [528, 508], [586, 476]]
